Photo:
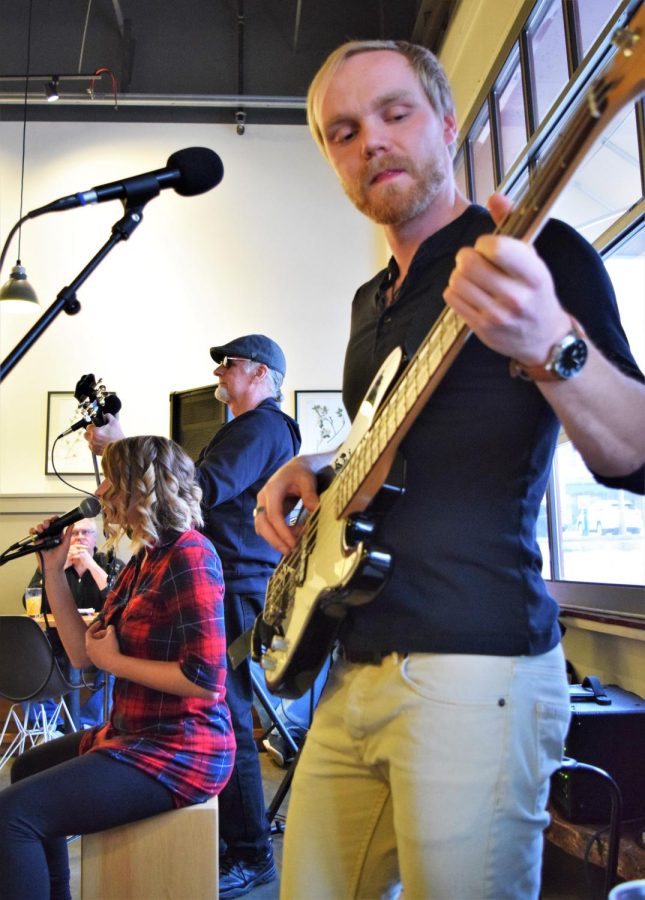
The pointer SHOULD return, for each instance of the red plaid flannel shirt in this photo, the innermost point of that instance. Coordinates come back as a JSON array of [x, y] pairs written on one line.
[[168, 605]]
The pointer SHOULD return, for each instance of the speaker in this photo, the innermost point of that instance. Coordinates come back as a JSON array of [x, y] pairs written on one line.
[[195, 416], [606, 731]]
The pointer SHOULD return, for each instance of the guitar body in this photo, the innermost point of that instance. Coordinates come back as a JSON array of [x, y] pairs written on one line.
[[310, 593]]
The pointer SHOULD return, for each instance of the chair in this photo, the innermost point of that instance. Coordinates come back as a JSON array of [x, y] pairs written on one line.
[[29, 675]]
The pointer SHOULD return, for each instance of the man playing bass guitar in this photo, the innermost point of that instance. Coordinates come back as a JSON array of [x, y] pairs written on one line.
[[429, 758]]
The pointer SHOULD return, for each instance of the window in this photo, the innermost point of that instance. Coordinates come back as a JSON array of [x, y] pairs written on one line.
[[601, 532], [626, 267], [548, 55], [482, 156], [510, 110], [592, 16], [593, 199], [460, 174]]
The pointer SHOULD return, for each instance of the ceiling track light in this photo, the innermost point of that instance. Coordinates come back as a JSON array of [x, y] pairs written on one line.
[[51, 90], [52, 83]]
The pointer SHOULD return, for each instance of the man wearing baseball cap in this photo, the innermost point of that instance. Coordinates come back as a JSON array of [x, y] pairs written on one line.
[[230, 470]]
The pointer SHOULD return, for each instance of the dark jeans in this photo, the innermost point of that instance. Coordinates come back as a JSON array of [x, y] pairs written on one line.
[[243, 823], [55, 793]]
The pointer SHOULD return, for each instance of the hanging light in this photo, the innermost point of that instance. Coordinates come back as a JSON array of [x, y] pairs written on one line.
[[51, 90], [17, 288]]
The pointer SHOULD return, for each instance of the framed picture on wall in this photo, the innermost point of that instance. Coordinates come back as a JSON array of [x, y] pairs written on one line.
[[72, 456], [323, 420]]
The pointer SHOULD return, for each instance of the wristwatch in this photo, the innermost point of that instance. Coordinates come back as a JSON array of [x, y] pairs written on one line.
[[566, 359]]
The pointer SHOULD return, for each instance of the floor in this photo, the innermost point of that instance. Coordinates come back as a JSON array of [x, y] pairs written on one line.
[[564, 878]]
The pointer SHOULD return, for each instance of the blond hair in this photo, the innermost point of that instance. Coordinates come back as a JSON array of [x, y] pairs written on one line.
[[151, 490], [423, 62]]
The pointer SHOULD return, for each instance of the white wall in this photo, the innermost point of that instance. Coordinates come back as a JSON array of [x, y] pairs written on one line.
[[275, 248]]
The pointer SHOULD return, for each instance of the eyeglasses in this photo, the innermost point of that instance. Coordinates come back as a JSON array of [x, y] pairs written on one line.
[[227, 361]]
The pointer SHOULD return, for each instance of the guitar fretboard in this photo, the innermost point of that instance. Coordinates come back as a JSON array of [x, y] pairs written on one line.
[[413, 388]]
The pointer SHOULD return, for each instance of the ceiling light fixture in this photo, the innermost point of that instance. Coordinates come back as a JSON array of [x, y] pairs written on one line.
[[51, 90], [51, 85], [17, 288]]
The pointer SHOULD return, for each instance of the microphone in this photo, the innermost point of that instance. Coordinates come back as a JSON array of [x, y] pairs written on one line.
[[94, 413], [86, 509], [192, 171]]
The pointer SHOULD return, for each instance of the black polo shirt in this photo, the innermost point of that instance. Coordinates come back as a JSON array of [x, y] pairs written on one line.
[[466, 574]]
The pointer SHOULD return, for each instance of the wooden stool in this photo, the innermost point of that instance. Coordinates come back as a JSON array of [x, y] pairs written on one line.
[[173, 856]]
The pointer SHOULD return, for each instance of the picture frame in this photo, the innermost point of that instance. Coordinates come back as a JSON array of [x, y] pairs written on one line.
[[323, 420], [72, 455]]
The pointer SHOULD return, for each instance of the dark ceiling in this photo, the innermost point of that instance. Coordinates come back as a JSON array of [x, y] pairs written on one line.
[[189, 59]]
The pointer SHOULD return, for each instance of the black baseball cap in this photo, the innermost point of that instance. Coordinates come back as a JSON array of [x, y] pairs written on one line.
[[256, 347]]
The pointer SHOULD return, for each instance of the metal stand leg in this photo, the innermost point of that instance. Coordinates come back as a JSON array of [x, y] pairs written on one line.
[[260, 692], [277, 827]]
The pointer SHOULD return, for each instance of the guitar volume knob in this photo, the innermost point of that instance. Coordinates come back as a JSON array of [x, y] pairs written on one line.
[[279, 643]]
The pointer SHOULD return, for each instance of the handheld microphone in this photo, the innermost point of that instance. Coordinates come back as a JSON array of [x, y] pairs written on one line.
[[192, 171], [86, 509], [94, 412]]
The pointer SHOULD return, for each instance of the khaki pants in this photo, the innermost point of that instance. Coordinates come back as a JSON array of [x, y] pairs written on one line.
[[430, 770]]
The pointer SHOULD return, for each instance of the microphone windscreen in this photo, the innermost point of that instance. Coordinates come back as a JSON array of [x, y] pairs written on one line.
[[90, 507], [112, 404], [200, 170]]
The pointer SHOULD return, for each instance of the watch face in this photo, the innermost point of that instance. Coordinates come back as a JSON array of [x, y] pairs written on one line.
[[571, 358]]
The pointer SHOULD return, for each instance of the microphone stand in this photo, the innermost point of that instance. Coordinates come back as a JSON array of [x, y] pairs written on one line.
[[66, 299]]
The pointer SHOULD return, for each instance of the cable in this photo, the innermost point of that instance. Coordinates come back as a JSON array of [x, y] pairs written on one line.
[[60, 477], [615, 818], [105, 71]]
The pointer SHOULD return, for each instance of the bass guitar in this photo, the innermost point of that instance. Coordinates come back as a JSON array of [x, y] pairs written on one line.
[[333, 565]]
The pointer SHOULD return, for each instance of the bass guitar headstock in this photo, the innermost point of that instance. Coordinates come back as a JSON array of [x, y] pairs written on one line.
[[94, 400]]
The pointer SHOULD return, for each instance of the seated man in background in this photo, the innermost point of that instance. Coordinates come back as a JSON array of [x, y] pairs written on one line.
[[86, 569], [89, 573]]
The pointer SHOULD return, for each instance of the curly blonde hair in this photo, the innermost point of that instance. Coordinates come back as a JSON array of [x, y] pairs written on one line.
[[423, 62], [151, 489]]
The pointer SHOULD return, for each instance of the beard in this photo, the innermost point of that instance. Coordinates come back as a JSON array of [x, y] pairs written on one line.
[[396, 205], [221, 393]]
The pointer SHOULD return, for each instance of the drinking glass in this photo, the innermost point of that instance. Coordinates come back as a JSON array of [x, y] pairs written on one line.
[[33, 601]]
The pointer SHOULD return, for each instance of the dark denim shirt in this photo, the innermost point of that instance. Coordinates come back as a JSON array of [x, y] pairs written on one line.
[[241, 457]]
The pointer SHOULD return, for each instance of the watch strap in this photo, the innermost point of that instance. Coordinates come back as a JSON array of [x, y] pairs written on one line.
[[545, 371]]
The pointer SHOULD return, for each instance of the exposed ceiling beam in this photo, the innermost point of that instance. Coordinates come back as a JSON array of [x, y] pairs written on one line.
[[432, 21]]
